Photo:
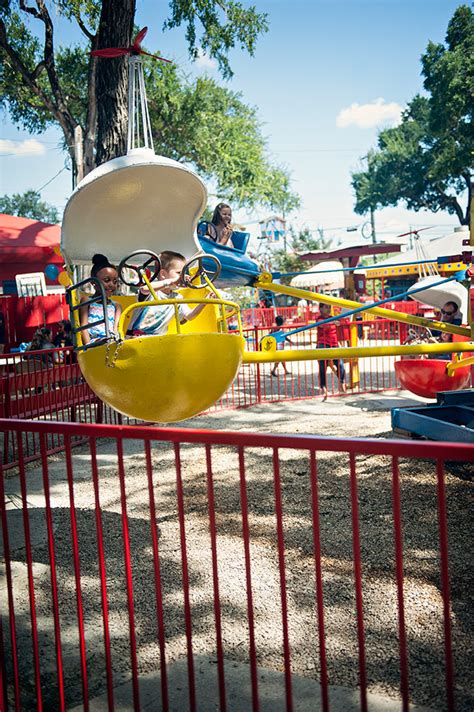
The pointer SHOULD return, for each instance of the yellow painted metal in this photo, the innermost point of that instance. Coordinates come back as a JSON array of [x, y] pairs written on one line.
[[454, 365], [347, 352], [263, 278], [268, 344], [214, 311], [354, 370], [173, 377], [471, 229], [403, 270], [163, 378], [378, 311]]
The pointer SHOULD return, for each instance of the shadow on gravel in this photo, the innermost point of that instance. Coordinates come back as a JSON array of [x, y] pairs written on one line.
[[421, 570], [376, 402], [144, 603]]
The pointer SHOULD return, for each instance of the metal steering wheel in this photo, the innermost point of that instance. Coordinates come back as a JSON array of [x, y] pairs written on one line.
[[138, 267], [212, 273]]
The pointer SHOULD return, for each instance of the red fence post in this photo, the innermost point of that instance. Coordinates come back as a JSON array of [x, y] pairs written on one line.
[[29, 566], [319, 580], [54, 581], [10, 597], [77, 574], [248, 579], [185, 572], [397, 525], [445, 585], [128, 577], [3, 673], [358, 582], [215, 579], [281, 566], [102, 574], [158, 587], [258, 369]]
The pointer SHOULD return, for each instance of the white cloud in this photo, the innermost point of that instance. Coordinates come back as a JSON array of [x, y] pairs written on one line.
[[365, 116], [204, 61], [30, 147]]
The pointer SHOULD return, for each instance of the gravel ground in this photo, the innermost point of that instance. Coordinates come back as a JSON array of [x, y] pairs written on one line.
[[352, 416]]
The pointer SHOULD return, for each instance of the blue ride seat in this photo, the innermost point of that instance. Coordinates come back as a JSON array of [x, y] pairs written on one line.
[[240, 240], [237, 268]]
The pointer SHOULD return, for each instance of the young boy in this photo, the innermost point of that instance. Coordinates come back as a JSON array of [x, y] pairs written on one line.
[[154, 320], [279, 321]]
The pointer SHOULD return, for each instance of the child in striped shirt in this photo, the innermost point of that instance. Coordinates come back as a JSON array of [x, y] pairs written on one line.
[[154, 320]]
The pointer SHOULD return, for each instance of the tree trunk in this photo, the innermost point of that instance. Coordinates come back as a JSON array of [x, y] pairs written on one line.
[[115, 30], [470, 199], [90, 131]]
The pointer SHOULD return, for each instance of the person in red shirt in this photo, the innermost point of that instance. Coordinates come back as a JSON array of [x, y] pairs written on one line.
[[327, 339]]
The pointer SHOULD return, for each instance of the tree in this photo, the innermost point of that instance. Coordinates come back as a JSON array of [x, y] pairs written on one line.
[[300, 243], [28, 205], [426, 161], [43, 85], [212, 128]]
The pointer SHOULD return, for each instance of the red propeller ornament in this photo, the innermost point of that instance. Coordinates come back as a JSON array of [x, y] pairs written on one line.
[[134, 49], [415, 232]]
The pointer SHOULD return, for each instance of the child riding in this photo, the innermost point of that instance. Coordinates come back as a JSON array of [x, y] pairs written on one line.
[[277, 329], [154, 320], [107, 274]]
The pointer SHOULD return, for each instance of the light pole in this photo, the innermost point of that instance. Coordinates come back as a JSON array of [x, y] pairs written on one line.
[[370, 234]]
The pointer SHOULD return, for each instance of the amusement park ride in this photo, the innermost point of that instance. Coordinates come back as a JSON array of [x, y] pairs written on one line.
[[154, 203]]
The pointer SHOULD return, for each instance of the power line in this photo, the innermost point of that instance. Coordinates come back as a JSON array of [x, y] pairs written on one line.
[[51, 179]]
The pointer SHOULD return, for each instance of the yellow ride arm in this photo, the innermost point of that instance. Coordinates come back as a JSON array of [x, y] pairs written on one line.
[[265, 282]]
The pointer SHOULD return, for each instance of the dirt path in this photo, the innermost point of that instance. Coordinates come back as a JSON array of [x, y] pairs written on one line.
[[352, 416]]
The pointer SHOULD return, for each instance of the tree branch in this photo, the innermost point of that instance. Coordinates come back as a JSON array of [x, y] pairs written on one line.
[[30, 10], [468, 179], [28, 76], [450, 200], [37, 70], [90, 130], [43, 15], [64, 119], [83, 28]]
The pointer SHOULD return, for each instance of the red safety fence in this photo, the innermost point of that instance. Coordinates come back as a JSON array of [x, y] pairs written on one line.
[[23, 315], [301, 379], [265, 317], [48, 385], [208, 568]]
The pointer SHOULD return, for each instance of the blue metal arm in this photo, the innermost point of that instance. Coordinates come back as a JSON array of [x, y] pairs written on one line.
[[281, 337]]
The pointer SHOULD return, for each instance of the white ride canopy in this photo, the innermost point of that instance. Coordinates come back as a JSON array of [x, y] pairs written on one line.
[[140, 200]]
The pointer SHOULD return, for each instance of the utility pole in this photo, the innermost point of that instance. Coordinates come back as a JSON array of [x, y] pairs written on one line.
[[78, 155], [372, 227]]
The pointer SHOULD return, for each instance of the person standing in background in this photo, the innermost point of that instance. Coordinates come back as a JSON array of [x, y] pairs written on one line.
[[327, 339]]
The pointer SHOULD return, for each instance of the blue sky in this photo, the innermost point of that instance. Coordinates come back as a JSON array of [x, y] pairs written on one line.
[[325, 77]]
